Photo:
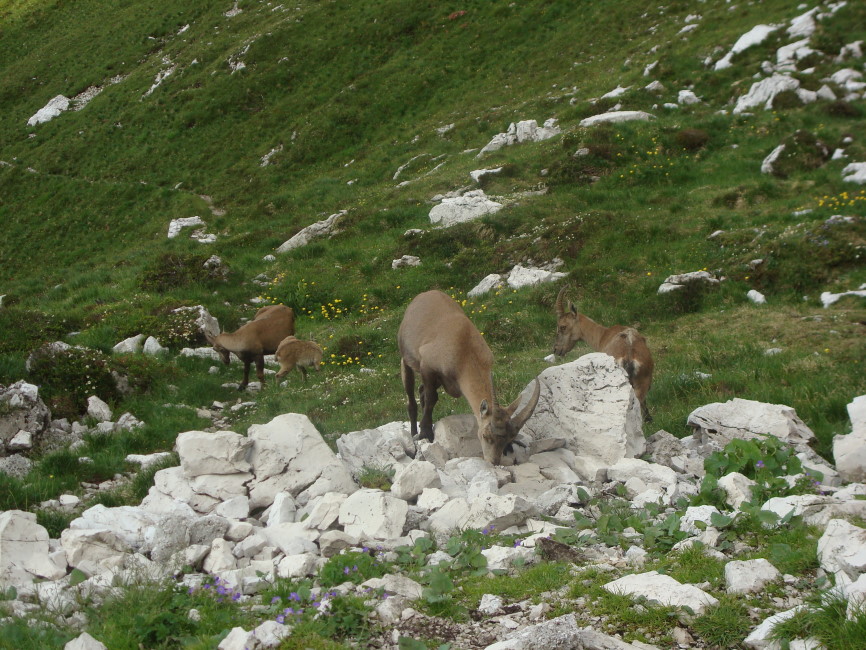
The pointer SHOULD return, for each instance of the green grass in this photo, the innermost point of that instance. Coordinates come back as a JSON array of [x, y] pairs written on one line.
[[351, 92]]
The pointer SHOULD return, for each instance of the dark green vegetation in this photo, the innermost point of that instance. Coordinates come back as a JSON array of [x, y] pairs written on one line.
[[347, 93]]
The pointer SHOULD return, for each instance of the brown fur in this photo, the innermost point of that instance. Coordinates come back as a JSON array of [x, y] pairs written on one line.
[[625, 344], [438, 342], [295, 353], [251, 342]]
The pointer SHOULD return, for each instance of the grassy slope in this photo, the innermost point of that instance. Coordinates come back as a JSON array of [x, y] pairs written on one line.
[[354, 90]]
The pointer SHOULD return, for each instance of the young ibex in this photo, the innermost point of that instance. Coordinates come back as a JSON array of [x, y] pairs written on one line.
[[624, 344], [295, 353], [251, 342], [441, 344]]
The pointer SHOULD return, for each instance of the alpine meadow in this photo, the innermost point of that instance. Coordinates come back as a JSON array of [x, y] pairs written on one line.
[[694, 170]]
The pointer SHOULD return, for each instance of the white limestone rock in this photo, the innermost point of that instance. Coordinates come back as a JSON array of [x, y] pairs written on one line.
[[614, 117], [842, 548], [756, 297], [761, 636], [763, 92], [412, 479], [94, 551], [298, 566], [388, 446], [55, 106], [85, 642], [663, 590], [505, 557], [319, 229], [406, 261], [816, 509], [373, 514], [152, 347], [855, 172], [748, 420], [289, 454], [521, 276], [754, 36], [490, 283], [591, 405], [749, 576], [132, 345], [468, 207], [737, 487], [220, 452], [176, 225], [682, 280], [25, 551], [523, 131]]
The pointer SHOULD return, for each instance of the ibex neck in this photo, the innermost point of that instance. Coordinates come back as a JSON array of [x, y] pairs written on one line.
[[592, 331], [229, 341]]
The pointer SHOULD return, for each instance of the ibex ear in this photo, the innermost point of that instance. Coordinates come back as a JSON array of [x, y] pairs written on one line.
[[484, 409], [572, 308]]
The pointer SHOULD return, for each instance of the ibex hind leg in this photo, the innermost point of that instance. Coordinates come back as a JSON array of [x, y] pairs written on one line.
[[429, 397], [408, 377]]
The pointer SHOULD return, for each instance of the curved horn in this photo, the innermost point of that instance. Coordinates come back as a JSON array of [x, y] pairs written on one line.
[[520, 419], [559, 308]]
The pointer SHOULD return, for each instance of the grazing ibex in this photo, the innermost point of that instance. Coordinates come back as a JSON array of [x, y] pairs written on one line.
[[251, 342], [295, 353], [441, 344], [624, 344]]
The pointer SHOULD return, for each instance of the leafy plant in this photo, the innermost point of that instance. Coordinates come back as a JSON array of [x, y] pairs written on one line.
[[351, 566], [378, 478]]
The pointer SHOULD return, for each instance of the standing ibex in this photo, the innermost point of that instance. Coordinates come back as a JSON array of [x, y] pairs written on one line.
[[295, 353], [441, 344], [251, 342], [624, 344]]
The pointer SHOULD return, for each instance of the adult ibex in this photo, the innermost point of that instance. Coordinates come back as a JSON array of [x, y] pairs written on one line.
[[624, 344], [251, 342], [441, 344], [295, 353]]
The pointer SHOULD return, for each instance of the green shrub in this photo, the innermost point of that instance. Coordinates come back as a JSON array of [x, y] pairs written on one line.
[[173, 270], [67, 377], [352, 566]]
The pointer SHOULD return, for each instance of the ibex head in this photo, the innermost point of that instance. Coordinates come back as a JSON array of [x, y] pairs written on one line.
[[498, 426], [568, 331], [225, 355]]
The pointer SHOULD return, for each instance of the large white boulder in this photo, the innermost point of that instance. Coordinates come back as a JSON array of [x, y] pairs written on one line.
[[373, 514], [290, 455], [748, 420], [663, 590], [471, 205], [55, 106], [749, 576], [94, 551], [763, 92], [389, 446], [220, 452], [24, 551], [842, 547], [410, 481], [591, 405]]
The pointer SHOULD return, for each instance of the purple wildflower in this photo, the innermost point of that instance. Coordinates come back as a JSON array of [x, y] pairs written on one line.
[[281, 619], [275, 599], [759, 464]]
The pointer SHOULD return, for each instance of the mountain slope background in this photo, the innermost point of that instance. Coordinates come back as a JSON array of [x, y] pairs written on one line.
[[264, 118]]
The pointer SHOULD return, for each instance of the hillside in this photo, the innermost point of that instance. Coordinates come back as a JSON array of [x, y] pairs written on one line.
[[262, 119]]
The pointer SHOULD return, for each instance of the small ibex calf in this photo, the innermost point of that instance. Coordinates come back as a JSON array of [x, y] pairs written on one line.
[[441, 345], [295, 353], [624, 344], [251, 342]]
